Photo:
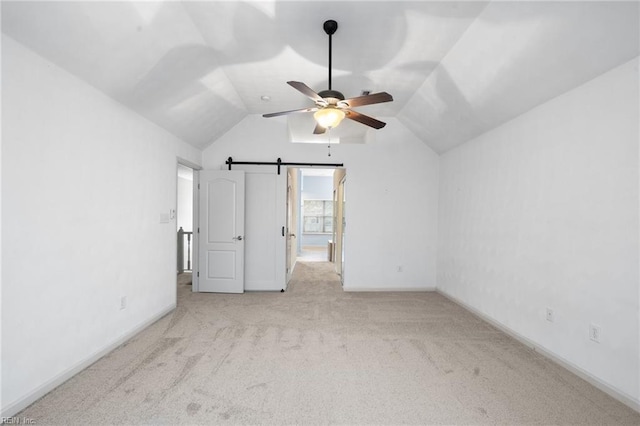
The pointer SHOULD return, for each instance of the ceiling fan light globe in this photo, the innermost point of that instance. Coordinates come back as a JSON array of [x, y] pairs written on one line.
[[329, 117]]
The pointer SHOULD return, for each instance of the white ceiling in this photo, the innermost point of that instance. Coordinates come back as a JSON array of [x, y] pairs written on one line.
[[455, 69]]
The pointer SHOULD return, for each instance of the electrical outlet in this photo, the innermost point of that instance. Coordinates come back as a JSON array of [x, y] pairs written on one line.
[[399, 268], [595, 333], [123, 302], [551, 317]]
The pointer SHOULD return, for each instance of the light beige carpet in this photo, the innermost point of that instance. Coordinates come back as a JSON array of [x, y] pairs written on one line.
[[316, 355], [184, 279]]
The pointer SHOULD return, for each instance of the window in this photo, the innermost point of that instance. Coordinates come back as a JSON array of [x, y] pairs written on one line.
[[317, 216]]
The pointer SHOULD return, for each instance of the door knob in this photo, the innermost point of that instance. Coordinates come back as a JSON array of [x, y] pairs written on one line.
[[239, 238]]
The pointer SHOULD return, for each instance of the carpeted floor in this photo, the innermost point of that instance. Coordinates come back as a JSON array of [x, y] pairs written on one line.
[[316, 355], [313, 254], [184, 279]]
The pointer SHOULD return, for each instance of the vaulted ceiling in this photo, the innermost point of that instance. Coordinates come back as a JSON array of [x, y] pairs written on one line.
[[455, 69]]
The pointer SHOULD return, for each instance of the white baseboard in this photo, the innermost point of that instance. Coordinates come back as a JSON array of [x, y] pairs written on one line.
[[19, 405], [583, 374], [368, 289]]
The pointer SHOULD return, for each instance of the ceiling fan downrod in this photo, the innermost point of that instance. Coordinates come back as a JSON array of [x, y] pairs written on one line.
[[330, 27]]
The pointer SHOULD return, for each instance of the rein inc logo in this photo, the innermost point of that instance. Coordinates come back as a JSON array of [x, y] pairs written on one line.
[[17, 421]]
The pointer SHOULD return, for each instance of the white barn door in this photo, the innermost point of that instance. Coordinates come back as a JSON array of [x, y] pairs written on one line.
[[221, 231], [265, 224]]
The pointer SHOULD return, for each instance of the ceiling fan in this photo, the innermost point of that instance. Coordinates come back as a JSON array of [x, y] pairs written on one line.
[[331, 106]]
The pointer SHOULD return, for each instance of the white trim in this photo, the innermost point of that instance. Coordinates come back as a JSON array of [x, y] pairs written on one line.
[[295, 262], [22, 403], [194, 220], [583, 374], [195, 252], [189, 164], [403, 289]]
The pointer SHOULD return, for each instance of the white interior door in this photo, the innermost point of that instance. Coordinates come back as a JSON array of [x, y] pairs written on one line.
[[221, 231], [265, 222]]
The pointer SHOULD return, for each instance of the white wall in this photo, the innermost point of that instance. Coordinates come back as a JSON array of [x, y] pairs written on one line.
[[317, 187], [543, 212], [392, 207], [84, 181]]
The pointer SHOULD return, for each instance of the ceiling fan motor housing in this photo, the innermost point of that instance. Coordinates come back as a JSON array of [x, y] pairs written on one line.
[[331, 96]]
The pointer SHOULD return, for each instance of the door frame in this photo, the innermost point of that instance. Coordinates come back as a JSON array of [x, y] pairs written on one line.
[[336, 182], [342, 189], [196, 204]]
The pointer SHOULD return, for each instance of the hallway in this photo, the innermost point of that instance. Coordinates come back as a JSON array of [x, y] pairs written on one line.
[[313, 254]]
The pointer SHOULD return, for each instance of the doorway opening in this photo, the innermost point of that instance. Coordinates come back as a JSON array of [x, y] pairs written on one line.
[[184, 227], [315, 217]]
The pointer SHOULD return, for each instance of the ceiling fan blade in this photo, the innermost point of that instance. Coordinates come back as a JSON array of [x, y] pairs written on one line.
[[319, 130], [276, 114], [307, 91], [365, 119], [375, 98]]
